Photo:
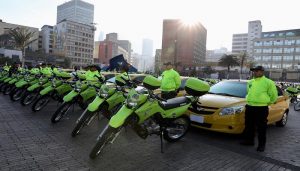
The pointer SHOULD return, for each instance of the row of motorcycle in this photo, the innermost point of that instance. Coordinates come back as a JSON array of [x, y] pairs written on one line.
[[134, 104]]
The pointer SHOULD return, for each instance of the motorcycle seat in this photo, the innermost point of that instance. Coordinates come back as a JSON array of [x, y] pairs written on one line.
[[174, 102]]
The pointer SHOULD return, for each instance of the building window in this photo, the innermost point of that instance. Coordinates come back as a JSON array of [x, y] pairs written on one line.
[[286, 66], [290, 34], [278, 42], [287, 58], [266, 58], [257, 50], [297, 42], [289, 42], [266, 65], [267, 43], [277, 66], [277, 50], [257, 58], [257, 43], [288, 50], [267, 50], [297, 58], [276, 58], [297, 50]]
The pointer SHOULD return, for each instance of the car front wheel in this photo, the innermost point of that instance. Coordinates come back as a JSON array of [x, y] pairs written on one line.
[[283, 120]]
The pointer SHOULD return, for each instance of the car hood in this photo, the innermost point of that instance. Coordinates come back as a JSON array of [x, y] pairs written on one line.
[[218, 101]]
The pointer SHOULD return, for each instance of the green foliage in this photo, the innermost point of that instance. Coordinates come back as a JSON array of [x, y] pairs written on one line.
[[22, 37], [67, 63]]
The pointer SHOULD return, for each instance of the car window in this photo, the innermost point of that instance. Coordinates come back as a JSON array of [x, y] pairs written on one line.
[[279, 91], [230, 88]]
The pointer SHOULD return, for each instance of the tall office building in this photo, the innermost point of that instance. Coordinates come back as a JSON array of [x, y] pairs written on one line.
[[244, 42], [254, 31], [184, 45], [239, 43], [278, 49], [47, 34], [76, 10], [74, 32], [75, 41]]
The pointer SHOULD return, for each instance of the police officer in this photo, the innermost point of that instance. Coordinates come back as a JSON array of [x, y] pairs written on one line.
[[93, 74], [261, 92], [170, 82]]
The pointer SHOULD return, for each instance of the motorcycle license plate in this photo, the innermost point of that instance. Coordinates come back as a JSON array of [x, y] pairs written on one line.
[[197, 118]]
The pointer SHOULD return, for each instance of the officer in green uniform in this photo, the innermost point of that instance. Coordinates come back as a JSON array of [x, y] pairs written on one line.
[[170, 82], [261, 92]]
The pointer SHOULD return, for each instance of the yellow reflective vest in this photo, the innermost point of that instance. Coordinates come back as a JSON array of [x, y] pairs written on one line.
[[170, 80]]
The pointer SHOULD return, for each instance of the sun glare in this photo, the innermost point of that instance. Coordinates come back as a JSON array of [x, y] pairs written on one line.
[[189, 21]]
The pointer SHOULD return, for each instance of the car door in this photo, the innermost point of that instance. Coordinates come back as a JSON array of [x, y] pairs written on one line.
[[276, 110]]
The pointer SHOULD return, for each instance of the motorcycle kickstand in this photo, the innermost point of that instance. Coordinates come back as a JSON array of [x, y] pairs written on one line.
[[161, 141]]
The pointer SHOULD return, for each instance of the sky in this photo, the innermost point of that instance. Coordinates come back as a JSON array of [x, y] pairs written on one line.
[[134, 20]]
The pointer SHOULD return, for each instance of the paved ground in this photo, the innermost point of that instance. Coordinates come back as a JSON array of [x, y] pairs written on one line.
[[28, 141]]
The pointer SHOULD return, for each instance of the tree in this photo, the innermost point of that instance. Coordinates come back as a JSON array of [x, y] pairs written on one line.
[[67, 62], [208, 70], [242, 58], [23, 38], [229, 61]]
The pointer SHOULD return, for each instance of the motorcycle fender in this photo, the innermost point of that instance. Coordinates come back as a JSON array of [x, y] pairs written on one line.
[[34, 81], [46, 90], [12, 81], [69, 97], [95, 104], [176, 112], [47, 84], [64, 88], [119, 118], [7, 80], [115, 99], [88, 93], [33, 87], [21, 83]]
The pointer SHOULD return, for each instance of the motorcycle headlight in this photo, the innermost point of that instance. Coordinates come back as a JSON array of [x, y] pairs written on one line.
[[232, 110], [104, 91], [132, 101]]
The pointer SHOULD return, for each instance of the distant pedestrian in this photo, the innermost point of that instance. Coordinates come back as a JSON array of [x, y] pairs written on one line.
[[170, 82], [261, 92]]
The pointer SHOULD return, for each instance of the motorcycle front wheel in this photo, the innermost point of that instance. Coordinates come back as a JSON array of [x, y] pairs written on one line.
[[106, 136], [40, 103], [60, 112], [176, 129]]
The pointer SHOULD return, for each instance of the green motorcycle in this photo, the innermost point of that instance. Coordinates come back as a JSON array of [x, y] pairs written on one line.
[[58, 88], [82, 93], [148, 114], [21, 86], [32, 92], [10, 83], [108, 101]]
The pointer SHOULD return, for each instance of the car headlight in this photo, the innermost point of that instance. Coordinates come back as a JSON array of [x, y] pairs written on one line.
[[132, 101], [232, 110]]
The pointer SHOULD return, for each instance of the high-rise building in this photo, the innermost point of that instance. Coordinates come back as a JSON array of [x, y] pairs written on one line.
[[239, 43], [157, 63], [125, 44], [184, 45], [244, 42], [75, 41], [76, 10], [112, 47], [4, 29], [47, 33], [278, 49], [254, 31]]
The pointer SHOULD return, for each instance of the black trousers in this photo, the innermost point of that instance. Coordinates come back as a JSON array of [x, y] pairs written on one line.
[[168, 94], [256, 118]]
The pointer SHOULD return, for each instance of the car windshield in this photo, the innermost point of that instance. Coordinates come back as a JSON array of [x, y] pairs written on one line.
[[230, 88]]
